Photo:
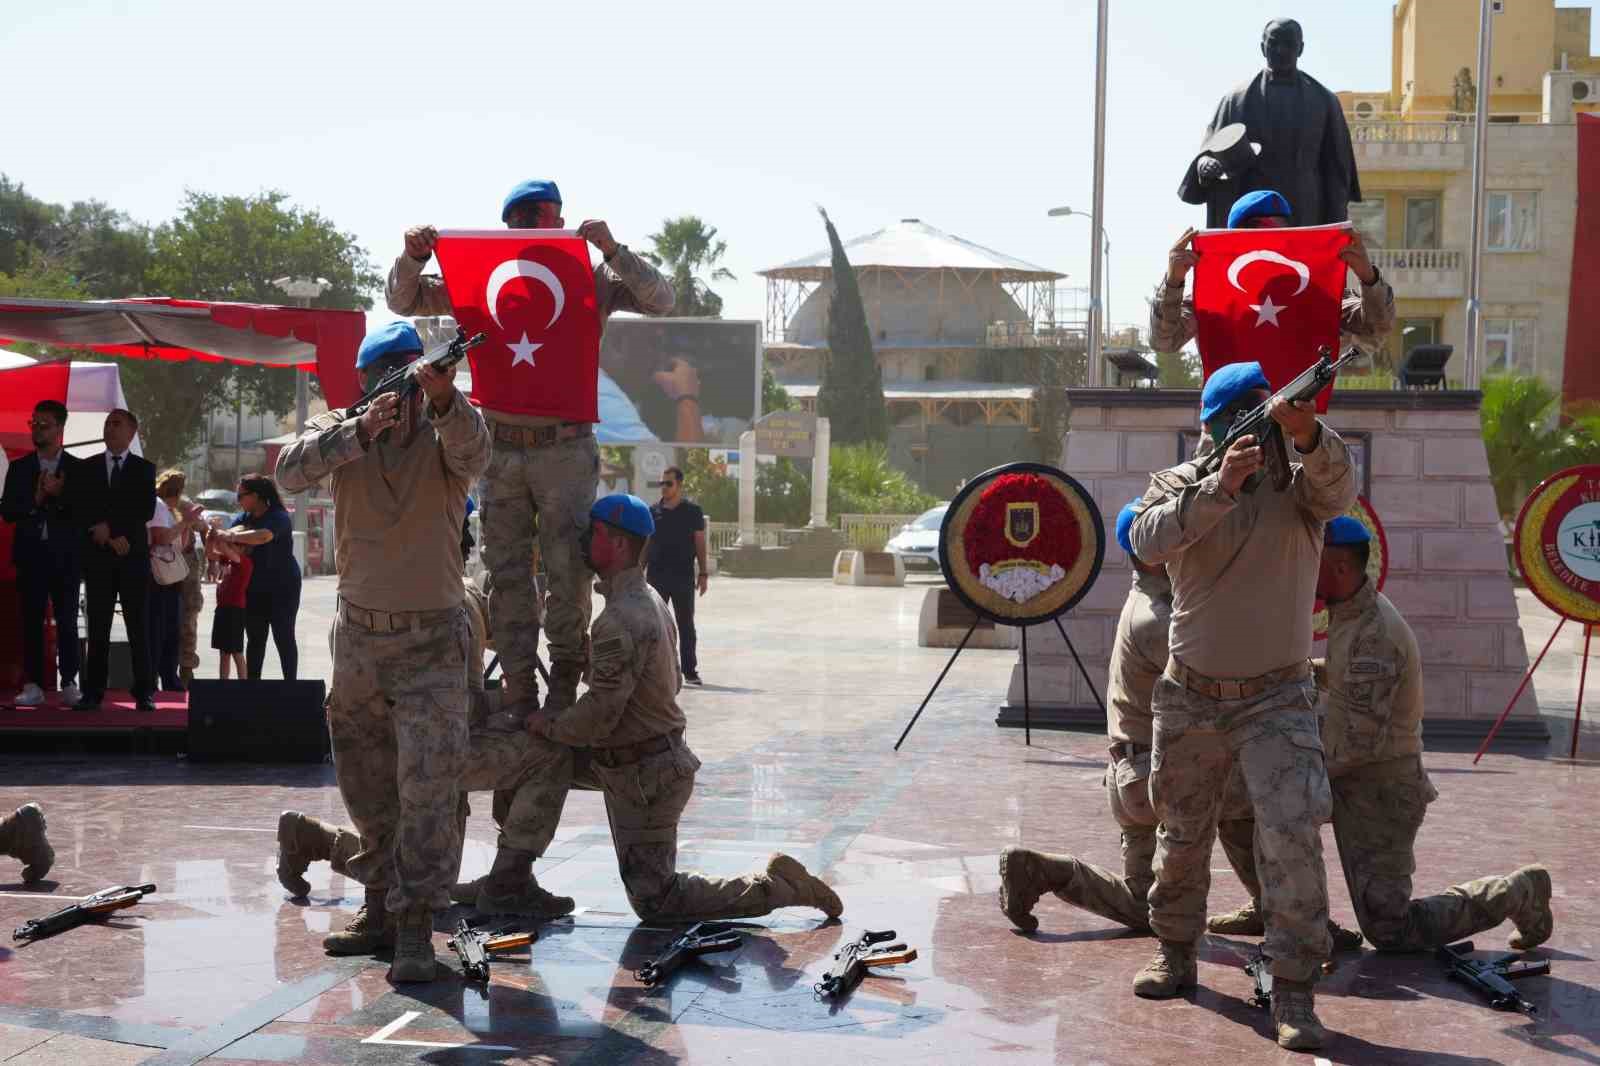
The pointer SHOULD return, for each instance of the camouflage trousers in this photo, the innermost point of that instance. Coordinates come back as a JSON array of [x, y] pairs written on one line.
[[397, 716], [1273, 739], [1377, 811], [553, 486], [1125, 899], [189, 624]]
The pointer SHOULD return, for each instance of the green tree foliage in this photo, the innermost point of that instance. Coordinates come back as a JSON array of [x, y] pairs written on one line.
[[1178, 370], [774, 397], [860, 481], [686, 247], [1525, 442], [851, 396]]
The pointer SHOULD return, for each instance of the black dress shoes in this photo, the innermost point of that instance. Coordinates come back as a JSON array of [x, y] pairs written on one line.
[[87, 703]]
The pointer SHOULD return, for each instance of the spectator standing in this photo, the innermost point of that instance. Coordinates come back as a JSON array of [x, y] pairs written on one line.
[[118, 499], [227, 625], [38, 500], [273, 599], [194, 554], [169, 530], [678, 544]]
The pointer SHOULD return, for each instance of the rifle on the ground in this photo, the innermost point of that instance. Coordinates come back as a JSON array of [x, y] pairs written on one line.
[[404, 380], [101, 903], [474, 946], [1258, 970], [852, 961], [1491, 978], [1258, 423], [702, 938]]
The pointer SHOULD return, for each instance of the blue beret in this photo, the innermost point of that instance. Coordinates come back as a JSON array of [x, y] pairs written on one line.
[[470, 505], [1345, 530], [1125, 519], [628, 513], [1259, 204], [1227, 385], [392, 339], [530, 192]]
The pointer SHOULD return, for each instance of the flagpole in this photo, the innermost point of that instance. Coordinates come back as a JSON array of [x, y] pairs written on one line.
[[1473, 364], [1097, 310]]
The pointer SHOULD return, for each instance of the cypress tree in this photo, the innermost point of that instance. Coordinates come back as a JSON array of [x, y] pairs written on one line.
[[851, 394]]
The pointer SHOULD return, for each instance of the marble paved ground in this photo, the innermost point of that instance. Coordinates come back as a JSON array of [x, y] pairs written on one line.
[[809, 685]]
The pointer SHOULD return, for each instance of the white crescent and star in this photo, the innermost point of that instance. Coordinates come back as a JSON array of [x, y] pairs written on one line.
[[522, 351], [1267, 311]]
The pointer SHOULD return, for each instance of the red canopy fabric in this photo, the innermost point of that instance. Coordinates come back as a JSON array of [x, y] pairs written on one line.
[[160, 327], [26, 386]]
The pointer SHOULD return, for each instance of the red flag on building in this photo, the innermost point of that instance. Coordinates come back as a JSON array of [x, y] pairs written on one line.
[[1271, 296], [533, 292]]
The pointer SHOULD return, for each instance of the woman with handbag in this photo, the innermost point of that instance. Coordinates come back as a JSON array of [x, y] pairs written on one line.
[[169, 530], [273, 599]]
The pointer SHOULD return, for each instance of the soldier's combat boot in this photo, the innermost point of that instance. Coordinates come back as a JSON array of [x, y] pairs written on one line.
[[564, 677], [792, 885], [466, 892], [1294, 1016], [1530, 907], [372, 928], [1167, 974], [1022, 882], [22, 837], [1247, 921], [413, 947], [510, 888], [303, 840]]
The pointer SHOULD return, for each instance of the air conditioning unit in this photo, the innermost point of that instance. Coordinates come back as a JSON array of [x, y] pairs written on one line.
[[1367, 108], [1566, 91]]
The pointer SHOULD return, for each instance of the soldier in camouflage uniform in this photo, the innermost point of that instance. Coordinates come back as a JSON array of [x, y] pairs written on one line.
[[541, 466], [1138, 656], [625, 738], [22, 837], [1365, 316], [1372, 732], [1236, 690], [397, 712]]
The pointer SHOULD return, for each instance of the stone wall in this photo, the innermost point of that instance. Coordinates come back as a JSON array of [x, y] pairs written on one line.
[[1430, 489]]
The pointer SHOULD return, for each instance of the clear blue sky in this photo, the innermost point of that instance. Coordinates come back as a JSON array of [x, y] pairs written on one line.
[[975, 118]]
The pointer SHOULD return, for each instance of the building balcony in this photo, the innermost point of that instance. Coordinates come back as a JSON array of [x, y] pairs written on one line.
[[1422, 273], [1398, 145]]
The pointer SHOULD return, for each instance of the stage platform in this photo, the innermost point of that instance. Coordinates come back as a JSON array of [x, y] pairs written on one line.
[[116, 715]]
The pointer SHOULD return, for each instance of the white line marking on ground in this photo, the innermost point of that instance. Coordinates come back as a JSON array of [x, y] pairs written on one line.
[[382, 1037]]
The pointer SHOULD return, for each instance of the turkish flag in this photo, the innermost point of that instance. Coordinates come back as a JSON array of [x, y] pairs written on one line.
[[532, 292], [1270, 296]]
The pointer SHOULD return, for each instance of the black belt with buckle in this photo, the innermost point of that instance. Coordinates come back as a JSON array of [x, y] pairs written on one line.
[[1127, 749], [628, 754]]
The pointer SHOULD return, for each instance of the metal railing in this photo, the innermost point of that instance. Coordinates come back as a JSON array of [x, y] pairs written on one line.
[[870, 532], [1365, 132], [1390, 259], [720, 535]]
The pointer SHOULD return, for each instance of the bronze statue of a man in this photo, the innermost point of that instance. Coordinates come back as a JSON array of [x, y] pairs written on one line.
[[1298, 130]]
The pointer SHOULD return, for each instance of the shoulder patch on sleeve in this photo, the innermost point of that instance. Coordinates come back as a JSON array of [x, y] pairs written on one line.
[[1366, 666], [327, 420], [610, 648]]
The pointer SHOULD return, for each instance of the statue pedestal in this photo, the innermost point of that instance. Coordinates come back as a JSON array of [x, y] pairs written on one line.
[[1422, 466]]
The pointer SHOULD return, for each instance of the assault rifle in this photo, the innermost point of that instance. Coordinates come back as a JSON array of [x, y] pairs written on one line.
[[101, 903], [1491, 978], [474, 946], [1268, 434], [702, 938], [852, 961], [404, 380], [1258, 971]]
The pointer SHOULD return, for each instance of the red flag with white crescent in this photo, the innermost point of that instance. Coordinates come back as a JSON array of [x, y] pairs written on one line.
[[1270, 296], [533, 292]]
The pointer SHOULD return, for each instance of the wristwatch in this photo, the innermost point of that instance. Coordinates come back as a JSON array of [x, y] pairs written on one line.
[[1377, 276]]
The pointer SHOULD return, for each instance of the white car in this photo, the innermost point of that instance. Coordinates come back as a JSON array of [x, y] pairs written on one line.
[[917, 543]]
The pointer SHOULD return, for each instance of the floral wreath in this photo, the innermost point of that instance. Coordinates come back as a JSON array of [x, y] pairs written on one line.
[[1022, 537]]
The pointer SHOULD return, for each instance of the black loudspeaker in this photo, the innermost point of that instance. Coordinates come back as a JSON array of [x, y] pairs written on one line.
[[1423, 367], [258, 721]]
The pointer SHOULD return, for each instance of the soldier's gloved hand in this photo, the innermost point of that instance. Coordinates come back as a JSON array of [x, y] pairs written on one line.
[[1181, 259], [1242, 460], [384, 412], [420, 241], [1208, 169]]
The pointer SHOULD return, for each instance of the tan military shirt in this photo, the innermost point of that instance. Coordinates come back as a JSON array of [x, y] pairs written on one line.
[[1365, 316], [1373, 699], [1138, 656], [628, 282], [399, 509], [634, 680], [1243, 569]]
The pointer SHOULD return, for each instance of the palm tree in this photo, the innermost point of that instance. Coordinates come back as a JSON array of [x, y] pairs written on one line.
[[1524, 441], [685, 247]]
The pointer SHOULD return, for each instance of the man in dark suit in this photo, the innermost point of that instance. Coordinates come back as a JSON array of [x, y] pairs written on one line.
[[117, 500], [38, 500]]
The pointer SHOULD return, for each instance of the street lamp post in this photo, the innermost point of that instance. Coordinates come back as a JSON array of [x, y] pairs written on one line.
[[302, 291], [1105, 244]]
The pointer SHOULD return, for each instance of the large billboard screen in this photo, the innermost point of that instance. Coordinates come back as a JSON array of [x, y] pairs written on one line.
[[691, 381]]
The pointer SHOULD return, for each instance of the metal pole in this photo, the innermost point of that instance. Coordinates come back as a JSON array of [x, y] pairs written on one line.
[[1096, 231], [238, 430], [1473, 364], [1107, 242]]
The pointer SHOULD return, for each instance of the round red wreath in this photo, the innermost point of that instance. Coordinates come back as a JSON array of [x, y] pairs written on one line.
[[1058, 542]]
